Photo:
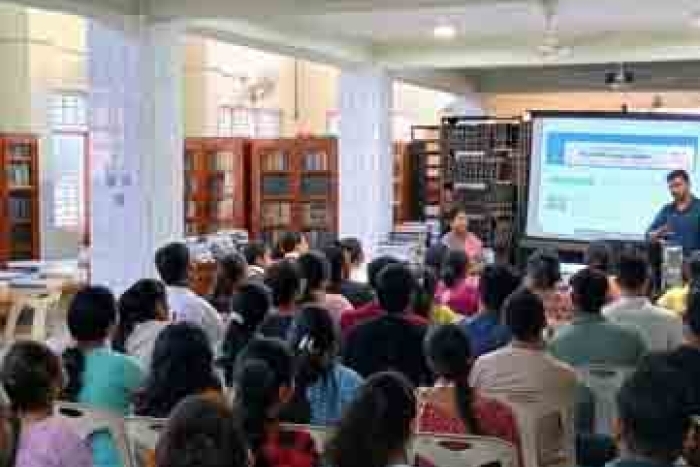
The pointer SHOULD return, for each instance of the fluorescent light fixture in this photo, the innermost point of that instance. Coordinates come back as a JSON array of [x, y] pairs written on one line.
[[445, 32]]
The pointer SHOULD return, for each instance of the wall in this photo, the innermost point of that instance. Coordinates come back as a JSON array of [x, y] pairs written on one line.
[[512, 104], [422, 106]]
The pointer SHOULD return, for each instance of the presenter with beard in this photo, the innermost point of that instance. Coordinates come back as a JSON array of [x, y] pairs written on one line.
[[678, 223]]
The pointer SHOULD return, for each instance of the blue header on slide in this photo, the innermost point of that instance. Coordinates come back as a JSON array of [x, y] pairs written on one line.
[[556, 142]]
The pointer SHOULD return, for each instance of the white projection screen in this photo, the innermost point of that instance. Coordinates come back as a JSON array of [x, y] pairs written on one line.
[[600, 176]]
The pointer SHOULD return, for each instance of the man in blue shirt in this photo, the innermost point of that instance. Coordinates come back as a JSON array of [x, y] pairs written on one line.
[[678, 222]]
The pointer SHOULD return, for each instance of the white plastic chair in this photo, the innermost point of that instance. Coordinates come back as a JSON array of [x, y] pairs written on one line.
[[462, 451], [546, 426], [143, 434], [39, 307], [320, 435], [604, 381], [86, 421]]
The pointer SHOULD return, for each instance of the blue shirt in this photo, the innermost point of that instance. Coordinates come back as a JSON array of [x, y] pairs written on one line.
[[329, 396], [109, 381], [684, 225], [486, 333]]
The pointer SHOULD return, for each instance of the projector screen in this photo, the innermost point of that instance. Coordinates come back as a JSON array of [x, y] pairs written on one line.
[[598, 176]]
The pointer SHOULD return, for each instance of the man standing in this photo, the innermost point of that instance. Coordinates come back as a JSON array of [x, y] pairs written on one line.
[[678, 222]]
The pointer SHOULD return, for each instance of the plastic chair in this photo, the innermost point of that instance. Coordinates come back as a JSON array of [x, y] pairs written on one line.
[[143, 434], [432, 450], [547, 430], [604, 381], [86, 421], [320, 435], [40, 307]]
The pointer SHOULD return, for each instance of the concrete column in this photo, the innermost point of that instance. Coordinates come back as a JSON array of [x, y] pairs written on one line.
[[366, 171], [135, 119]]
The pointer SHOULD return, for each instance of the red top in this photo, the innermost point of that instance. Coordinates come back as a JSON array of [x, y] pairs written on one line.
[[351, 319], [289, 448], [495, 419], [462, 298]]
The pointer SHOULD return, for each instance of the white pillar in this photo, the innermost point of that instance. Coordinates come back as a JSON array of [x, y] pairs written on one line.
[[136, 139], [366, 171]]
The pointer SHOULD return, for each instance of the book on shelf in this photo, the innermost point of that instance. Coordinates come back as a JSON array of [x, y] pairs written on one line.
[[315, 161], [20, 209], [276, 162], [19, 174]]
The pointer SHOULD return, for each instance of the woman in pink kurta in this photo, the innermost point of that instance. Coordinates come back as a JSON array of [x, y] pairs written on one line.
[[460, 238]]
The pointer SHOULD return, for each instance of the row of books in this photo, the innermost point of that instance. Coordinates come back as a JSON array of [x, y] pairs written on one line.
[[315, 161], [20, 208], [19, 174], [276, 161]]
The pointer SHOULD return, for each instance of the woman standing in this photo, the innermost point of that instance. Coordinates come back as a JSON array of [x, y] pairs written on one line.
[[460, 238]]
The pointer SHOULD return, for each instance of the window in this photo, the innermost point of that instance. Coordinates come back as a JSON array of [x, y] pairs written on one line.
[[247, 122], [68, 111]]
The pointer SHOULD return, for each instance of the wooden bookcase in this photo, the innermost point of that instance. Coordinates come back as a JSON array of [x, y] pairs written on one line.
[[294, 186], [402, 183], [216, 194], [19, 192]]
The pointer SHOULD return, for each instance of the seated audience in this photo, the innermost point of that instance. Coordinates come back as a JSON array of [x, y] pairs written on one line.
[[376, 429], [97, 376], [599, 256], [357, 293], [231, 273], [316, 271], [34, 437], [202, 433], [676, 298], [654, 405], [250, 308], [284, 281], [353, 247], [453, 406], [143, 314], [371, 310], [173, 264], [487, 330], [259, 257], [459, 238], [9, 430], [590, 338], [523, 366], [543, 277], [458, 289], [182, 365], [323, 386], [290, 245], [264, 384], [391, 341], [660, 328], [425, 304]]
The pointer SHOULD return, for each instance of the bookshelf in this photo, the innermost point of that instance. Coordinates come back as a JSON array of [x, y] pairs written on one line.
[[425, 154], [294, 185], [402, 183], [19, 192], [215, 185]]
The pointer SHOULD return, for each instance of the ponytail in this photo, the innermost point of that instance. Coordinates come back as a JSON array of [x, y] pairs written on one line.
[[464, 398], [74, 365]]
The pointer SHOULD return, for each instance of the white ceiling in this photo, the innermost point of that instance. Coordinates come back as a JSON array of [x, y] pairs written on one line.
[[398, 33]]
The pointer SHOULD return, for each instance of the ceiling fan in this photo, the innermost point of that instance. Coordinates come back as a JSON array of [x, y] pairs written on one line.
[[551, 48]]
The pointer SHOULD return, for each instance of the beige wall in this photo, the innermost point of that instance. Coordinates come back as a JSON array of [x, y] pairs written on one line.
[[513, 104], [422, 106]]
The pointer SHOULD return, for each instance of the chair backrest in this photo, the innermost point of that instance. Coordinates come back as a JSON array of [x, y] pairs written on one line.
[[604, 381], [546, 426], [143, 434], [431, 450], [319, 434], [86, 421], [40, 307]]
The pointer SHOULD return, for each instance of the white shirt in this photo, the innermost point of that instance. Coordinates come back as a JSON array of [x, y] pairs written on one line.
[[524, 371], [661, 329], [142, 340], [187, 306]]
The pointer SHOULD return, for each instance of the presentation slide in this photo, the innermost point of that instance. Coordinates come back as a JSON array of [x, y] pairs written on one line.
[[595, 178]]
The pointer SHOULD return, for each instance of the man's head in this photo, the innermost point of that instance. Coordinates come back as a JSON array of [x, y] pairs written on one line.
[[654, 408], [353, 247], [679, 184], [396, 285], [524, 313], [633, 275], [284, 281], [543, 269], [376, 266], [257, 254], [173, 263], [589, 290], [599, 256], [459, 222], [496, 284]]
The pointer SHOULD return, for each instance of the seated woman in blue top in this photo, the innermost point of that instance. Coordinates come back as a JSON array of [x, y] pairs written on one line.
[[97, 376], [323, 387]]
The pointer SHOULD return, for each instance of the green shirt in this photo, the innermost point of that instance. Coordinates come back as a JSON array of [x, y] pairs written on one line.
[[592, 339]]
